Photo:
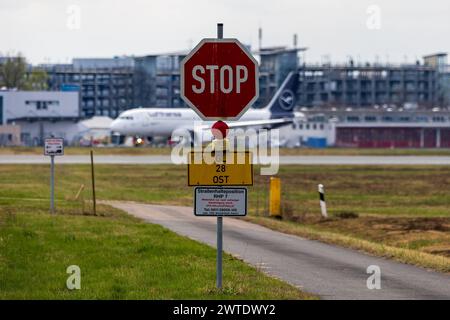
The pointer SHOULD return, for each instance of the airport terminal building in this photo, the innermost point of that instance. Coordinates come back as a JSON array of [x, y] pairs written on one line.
[[364, 128], [105, 86], [362, 86], [110, 86], [28, 117]]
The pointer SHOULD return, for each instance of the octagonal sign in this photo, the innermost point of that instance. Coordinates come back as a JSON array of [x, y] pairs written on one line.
[[219, 79]]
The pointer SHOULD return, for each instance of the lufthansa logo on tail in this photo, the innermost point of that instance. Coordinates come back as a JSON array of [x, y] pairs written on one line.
[[287, 100]]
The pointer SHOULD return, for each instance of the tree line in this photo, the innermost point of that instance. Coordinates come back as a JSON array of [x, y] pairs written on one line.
[[15, 73]]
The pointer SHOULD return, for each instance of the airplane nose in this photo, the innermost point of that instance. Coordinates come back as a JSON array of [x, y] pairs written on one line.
[[115, 125]]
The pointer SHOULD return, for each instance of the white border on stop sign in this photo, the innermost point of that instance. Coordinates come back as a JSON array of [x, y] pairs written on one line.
[[193, 51]]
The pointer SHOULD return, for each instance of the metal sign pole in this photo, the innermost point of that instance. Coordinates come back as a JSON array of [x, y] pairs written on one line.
[[94, 200], [219, 251], [219, 219], [52, 184]]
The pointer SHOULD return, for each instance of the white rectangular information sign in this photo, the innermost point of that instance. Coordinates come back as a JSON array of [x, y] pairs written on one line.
[[213, 201], [54, 147]]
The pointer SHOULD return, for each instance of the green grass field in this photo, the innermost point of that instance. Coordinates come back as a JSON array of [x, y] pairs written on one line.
[[283, 151], [85, 151], [119, 256], [393, 211], [400, 206], [384, 191]]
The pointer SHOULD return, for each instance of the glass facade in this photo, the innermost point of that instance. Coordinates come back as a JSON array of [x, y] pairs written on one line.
[[154, 81], [275, 65], [366, 86], [103, 91]]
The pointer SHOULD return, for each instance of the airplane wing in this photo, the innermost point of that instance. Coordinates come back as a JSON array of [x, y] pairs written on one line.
[[268, 124]]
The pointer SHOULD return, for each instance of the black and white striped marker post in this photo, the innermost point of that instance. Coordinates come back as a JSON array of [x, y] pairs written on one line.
[[323, 205]]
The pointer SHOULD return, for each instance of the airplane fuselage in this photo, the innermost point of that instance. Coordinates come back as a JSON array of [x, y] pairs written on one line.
[[159, 122]]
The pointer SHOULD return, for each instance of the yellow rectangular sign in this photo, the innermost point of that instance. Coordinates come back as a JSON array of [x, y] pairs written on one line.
[[217, 169]]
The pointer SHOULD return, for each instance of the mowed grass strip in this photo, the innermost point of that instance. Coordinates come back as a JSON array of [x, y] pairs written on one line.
[[404, 207], [119, 256], [147, 150], [381, 190], [85, 151]]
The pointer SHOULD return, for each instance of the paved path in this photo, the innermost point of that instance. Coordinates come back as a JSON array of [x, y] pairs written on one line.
[[329, 271], [305, 160]]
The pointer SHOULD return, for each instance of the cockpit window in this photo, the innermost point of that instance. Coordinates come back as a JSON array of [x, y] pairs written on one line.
[[126, 118]]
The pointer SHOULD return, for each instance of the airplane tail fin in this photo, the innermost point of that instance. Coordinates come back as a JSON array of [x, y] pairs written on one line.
[[284, 99]]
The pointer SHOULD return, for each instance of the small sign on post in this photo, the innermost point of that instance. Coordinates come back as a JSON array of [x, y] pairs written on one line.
[[220, 202], [53, 147]]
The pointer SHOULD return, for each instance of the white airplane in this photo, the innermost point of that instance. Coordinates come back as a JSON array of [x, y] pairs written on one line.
[[164, 122]]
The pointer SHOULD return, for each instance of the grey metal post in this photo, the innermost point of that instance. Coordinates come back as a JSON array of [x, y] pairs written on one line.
[[94, 200], [52, 184], [219, 219], [219, 251]]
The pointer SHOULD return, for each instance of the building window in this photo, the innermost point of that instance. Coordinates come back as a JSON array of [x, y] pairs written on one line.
[[42, 104], [438, 119], [353, 119], [370, 119], [422, 119]]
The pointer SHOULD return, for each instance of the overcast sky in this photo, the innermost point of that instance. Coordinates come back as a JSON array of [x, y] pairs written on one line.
[[58, 30]]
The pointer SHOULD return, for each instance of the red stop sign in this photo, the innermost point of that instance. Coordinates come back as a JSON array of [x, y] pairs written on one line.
[[219, 79]]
